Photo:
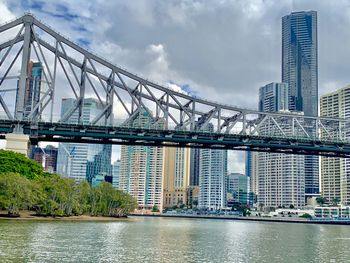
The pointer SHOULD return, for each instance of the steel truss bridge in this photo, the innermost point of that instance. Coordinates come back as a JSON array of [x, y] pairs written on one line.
[[175, 119]]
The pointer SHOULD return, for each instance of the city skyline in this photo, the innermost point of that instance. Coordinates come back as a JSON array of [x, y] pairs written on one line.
[[148, 130], [261, 19]]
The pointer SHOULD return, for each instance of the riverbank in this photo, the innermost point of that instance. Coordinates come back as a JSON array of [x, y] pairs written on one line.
[[27, 215], [255, 219]]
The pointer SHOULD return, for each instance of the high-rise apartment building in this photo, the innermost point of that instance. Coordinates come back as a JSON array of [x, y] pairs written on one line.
[[141, 169], [212, 178], [335, 172], [280, 177], [176, 176], [82, 161], [300, 72]]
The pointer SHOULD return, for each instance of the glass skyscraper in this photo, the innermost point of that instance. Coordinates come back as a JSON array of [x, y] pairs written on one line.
[[116, 173], [300, 72], [82, 161]]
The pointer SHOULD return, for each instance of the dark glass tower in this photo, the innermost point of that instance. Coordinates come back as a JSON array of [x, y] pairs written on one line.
[[300, 71], [194, 167]]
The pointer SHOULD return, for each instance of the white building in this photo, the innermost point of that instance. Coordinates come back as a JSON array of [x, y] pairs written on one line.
[[335, 172], [280, 177], [212, 178]]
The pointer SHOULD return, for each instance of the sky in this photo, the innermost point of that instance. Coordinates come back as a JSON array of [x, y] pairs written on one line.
[[222, 50]]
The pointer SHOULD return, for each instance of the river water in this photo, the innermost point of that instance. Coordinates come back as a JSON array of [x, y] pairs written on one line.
[[171, 240]]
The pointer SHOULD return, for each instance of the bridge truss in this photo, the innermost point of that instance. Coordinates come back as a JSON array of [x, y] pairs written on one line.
[[175, 118]]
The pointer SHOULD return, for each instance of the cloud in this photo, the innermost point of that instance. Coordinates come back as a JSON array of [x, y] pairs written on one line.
[[6, 14]]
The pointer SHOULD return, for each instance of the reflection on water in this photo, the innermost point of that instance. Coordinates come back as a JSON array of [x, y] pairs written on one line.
[[171, 240]]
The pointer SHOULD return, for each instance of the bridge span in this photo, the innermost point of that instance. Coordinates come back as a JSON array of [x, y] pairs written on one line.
[[176, 119]]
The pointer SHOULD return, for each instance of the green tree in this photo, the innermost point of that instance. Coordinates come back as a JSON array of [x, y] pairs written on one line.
[[306, 215], [24, 185], [11, 162], [83, 192], [15, 193], [321, 200], [155, 208], [106, 201], [57, 196]]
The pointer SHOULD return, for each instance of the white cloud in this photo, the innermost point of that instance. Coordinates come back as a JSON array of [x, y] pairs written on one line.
[[6, 14], [176, 88]]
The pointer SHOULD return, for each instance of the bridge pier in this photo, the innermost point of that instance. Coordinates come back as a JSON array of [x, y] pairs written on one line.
[[17, 143]]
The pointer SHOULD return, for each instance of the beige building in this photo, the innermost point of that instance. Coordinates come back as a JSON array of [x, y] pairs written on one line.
[[141, 169], [176, 176], [335, 172]]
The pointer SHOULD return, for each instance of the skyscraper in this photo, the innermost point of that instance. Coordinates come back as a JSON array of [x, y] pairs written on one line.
[[273, 97], [335, 172], [212, 178], [82, 161], [300, 72], [251, 165], [176, 176], [280, 177], [33, 88], [116, 173], [141, 169], [47, 157], [238, 186], [194, 167]]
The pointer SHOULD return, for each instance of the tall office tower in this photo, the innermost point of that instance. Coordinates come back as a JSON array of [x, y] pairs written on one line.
[[335, 172], [99, 168], [281, 177], [238, 186], [47, 157], [251, 170], [82, 161], [116, 174], [300, 71], [212, 177], [194, 167], [141, 169], [176, 176], [33, 88]]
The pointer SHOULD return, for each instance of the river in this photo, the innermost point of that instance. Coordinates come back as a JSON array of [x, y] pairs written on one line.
[[171, 240]]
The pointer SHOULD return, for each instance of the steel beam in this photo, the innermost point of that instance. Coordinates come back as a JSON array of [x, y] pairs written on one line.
[[23, 79]]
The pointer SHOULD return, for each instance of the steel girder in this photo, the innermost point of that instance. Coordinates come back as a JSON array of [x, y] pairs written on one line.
[[111, 84]]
